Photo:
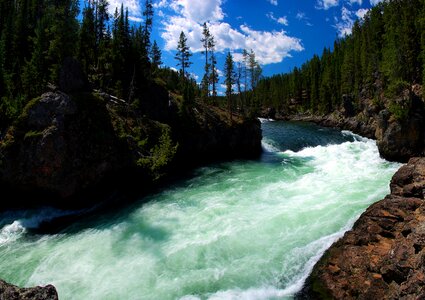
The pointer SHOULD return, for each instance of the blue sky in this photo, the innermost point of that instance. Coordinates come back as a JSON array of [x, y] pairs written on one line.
[[282, 33]]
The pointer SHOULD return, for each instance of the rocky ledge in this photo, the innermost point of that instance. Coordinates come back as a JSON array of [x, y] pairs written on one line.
[[12, 292], [383, 256]]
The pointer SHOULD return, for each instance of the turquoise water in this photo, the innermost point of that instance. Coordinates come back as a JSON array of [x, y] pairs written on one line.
[[237, 230]]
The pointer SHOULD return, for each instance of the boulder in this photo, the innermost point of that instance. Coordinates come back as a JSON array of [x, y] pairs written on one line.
[[400, 139], [12, 292], [59, 146]]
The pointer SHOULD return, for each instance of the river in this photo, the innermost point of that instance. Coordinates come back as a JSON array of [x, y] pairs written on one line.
[[235, 230]]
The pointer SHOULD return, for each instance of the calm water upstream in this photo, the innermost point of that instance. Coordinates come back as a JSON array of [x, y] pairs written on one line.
[[237, 230]]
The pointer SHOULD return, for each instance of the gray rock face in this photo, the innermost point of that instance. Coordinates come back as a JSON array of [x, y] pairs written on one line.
[[12, 292], [51, 109], [401, 139], [59, 146]]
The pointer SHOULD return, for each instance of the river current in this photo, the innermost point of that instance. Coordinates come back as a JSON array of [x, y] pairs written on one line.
[[235, 230]]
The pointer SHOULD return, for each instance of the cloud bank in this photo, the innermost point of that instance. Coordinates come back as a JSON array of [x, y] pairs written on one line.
[[189, 15]]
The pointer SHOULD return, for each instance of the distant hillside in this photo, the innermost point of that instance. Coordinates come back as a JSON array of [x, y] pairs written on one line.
[[370, 82]]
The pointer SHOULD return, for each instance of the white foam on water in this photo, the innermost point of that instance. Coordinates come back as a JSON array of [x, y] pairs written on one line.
[[268, 146], [242, 230], [21, 221]]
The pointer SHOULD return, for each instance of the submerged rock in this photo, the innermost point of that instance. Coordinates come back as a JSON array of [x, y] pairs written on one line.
[[12, 292], [383, 256]]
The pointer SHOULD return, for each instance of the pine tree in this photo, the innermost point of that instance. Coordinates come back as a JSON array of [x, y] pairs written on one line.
[[156, 55], [121, 69], [182, 56], [254, 69], [238, 78], [206, 44], [63, 28], [102, 18], [87, 40], [101, 23], [229, 75], [214, 75], [35, 74], [147, 29]]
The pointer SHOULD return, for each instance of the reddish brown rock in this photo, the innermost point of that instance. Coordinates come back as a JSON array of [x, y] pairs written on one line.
[[383, 256]]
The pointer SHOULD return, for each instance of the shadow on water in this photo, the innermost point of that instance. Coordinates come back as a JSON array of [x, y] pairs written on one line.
[[296, 136], [115, 210], [119, 207]]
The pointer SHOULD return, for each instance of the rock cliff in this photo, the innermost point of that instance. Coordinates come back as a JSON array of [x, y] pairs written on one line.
[[65, 147], [383, 256], [397, 123]]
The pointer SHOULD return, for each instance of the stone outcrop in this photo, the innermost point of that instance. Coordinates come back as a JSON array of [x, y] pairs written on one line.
[[59, 146], [383, 256], [216, 137], [12, 292], [65, 147]]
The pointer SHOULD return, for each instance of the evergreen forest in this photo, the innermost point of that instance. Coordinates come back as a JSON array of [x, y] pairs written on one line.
[[118, 56], [384, 55]]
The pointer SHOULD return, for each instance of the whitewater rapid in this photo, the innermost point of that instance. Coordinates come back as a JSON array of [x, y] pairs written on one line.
[[238, 230]]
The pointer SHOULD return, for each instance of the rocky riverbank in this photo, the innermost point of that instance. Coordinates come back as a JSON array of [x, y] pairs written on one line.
[[397, 124], [12, 292], [383, 256]]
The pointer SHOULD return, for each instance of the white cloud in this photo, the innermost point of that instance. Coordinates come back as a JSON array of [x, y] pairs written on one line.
[[300, 15], [269, 47], [160, 4], [326, 4], [199, 11], [135, 19], [273, 2], [359, 2], [281, 20], [344, 25], [194, 76], [361, 13], [134, 9], [374, 2]]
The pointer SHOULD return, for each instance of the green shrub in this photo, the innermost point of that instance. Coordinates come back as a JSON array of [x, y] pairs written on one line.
[[396, 88], [160, 155], [32, 134], [400, 110]]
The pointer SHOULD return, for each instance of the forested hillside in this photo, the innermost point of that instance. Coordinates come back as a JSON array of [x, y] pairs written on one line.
[[384, 55], [85, 102], [36, 37]]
